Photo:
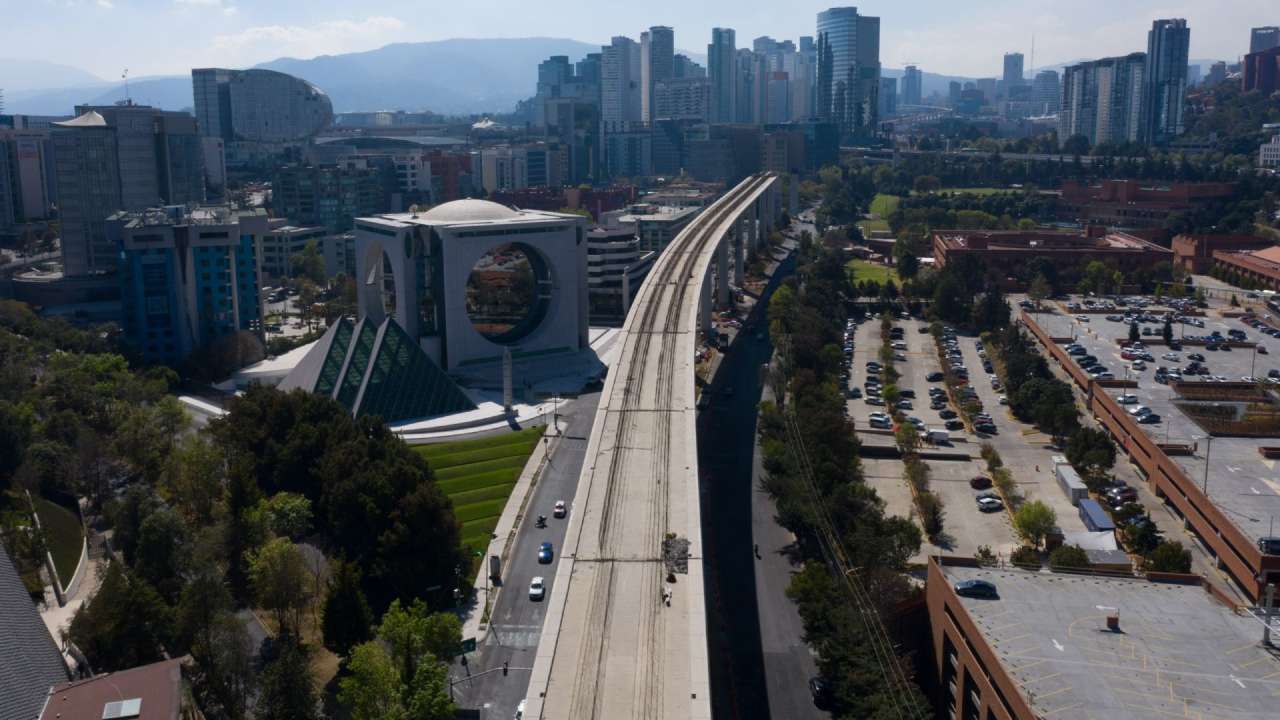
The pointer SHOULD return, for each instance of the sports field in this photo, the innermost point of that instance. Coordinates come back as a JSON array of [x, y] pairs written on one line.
[[478, 476]]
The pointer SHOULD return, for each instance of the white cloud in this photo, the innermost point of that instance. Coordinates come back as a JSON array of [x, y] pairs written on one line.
[[333, 36], [106, 4], [205, 3]]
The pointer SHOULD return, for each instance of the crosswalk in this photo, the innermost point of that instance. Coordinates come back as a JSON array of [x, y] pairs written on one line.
[[514, 636]]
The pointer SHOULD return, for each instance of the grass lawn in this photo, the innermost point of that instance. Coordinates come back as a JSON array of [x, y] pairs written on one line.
[[65, 537], [478, 476], [860, 270], [884, 205]]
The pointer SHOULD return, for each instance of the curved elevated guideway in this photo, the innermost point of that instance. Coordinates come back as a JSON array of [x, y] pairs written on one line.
[[612, 646]]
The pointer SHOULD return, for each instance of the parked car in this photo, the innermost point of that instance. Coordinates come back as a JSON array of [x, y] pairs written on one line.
[[989, 504], [951, 414], [1127, 399], [934, 377], [954, 425], [1149, 419], [980, 482], [904, 405]]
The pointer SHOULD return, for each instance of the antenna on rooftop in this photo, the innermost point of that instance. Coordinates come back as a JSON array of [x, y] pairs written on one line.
[[125, 76], [1033, 53]]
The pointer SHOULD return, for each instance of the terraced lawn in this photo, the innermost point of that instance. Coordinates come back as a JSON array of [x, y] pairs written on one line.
[[478, 476], [64, 535], [860, 270]]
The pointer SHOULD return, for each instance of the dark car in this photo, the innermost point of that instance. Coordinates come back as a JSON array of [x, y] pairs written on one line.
[[977, 589], [821, 696], [1196, 356], [987, 428], [980, 482], [907, 393], [545, 553], [954, 425], [951, 414], [934, 377]]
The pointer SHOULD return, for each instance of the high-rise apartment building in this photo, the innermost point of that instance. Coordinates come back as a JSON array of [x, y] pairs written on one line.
[[657, 64], [1217, 74], [888, 97], [722, 66], [1260, 71], [259, 114], [1165, 79], [119, 157], [1102, 99], [187, 276], [912, 85], [331, 196], [683, 99], [1264, 38], [683, 67], [1013, 71], [1046, 92], [620, 81], [848, 51], [26, 177]]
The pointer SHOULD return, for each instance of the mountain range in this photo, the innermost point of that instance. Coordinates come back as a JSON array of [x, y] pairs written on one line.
[[452, 77]]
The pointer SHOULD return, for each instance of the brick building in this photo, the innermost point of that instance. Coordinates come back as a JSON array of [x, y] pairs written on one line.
[[1009, 251], [1129, 204], [1194, 253], [1260, 266]]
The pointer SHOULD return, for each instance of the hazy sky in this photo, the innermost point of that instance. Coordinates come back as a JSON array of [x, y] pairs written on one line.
[[946, 36]]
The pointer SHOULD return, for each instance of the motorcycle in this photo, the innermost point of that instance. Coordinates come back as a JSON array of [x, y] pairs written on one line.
[[542, 521]]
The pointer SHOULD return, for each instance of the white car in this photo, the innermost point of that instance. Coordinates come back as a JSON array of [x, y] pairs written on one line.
[[1138, 365], [1082, 318], [1004, 399], [1140, 411], [537, 588], [990, 504], [1127, 399], [1171, 356], [561, 509]]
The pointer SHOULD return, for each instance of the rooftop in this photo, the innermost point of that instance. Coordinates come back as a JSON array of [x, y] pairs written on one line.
[[156, 689], [1043, 241], [1179, 652], [30, 662], [465, 212], [1240, 481]]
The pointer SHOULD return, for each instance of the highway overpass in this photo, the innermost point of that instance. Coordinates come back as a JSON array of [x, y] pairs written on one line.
[[612, 647]]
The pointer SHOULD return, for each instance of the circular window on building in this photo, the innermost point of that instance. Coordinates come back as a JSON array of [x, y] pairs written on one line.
[[507, 293]]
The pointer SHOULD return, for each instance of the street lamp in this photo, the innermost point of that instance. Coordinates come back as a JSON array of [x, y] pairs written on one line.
[[1208, 445], [1253, 360]]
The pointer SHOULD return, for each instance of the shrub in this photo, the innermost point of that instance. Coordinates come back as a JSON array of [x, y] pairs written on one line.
[[931, 513], [1068, 556], [1025, 556], [984, 556], [1169, 557], [1033, 521], [991, 455]]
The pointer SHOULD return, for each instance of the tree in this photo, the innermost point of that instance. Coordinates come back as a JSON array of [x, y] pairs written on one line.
[[123, 625], [1039, 290], [1166, 332], [1091, 450], [442, 636], [163, 552], [224, 676], [1068, 556], [1034, 520], [280, 581], [16, 426], [194, 477], [1134, 336], [287, 690], [428, 697], [309, 263], [907, 437], [372, 688], [926, 184], [1169, 557], [347, 617], [288, 514]]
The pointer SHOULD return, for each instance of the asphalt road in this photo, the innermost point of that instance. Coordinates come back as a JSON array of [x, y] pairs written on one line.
[[760, 665], [517, 620]]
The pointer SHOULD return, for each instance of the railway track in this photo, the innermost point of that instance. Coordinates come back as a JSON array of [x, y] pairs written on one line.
[[651, 372]]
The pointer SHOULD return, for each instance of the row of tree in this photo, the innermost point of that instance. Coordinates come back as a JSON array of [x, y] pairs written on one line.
[[808, 333]]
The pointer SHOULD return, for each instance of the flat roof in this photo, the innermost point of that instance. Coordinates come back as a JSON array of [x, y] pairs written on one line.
[[1241, 482], [1179, 653]]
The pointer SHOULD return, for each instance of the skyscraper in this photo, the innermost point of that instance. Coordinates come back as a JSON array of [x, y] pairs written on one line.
[[1165, 79], [1264, 38], [119, 157], [848, 69], [1102, 100], [1013, 72], [888, 97], [912, 85], [722, 63], [657, 64], [1046, 91], [620, 81]]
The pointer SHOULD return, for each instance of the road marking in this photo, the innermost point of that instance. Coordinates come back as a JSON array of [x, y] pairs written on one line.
[[1236, 680], [1058, 645]]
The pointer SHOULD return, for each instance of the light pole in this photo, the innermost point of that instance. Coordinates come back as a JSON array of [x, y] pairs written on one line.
[[1208, 445], [1253, 360]]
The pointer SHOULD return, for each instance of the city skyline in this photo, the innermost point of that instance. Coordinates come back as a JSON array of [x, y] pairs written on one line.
[[225, 33]]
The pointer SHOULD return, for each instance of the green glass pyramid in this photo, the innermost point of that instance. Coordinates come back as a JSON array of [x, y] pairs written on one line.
[[377, 369]]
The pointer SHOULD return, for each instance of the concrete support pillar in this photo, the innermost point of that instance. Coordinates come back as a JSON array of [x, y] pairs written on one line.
[[739, 253], [722, 274], [626, 291], [704, 306]]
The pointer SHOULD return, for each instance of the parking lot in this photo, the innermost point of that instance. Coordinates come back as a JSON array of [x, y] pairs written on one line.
[[1236, 477], [966, 528]]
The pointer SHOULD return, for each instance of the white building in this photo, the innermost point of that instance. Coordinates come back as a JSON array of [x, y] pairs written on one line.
[[1269, 154], [656, 226], [279, 244], [419, 268], [616, 266]]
